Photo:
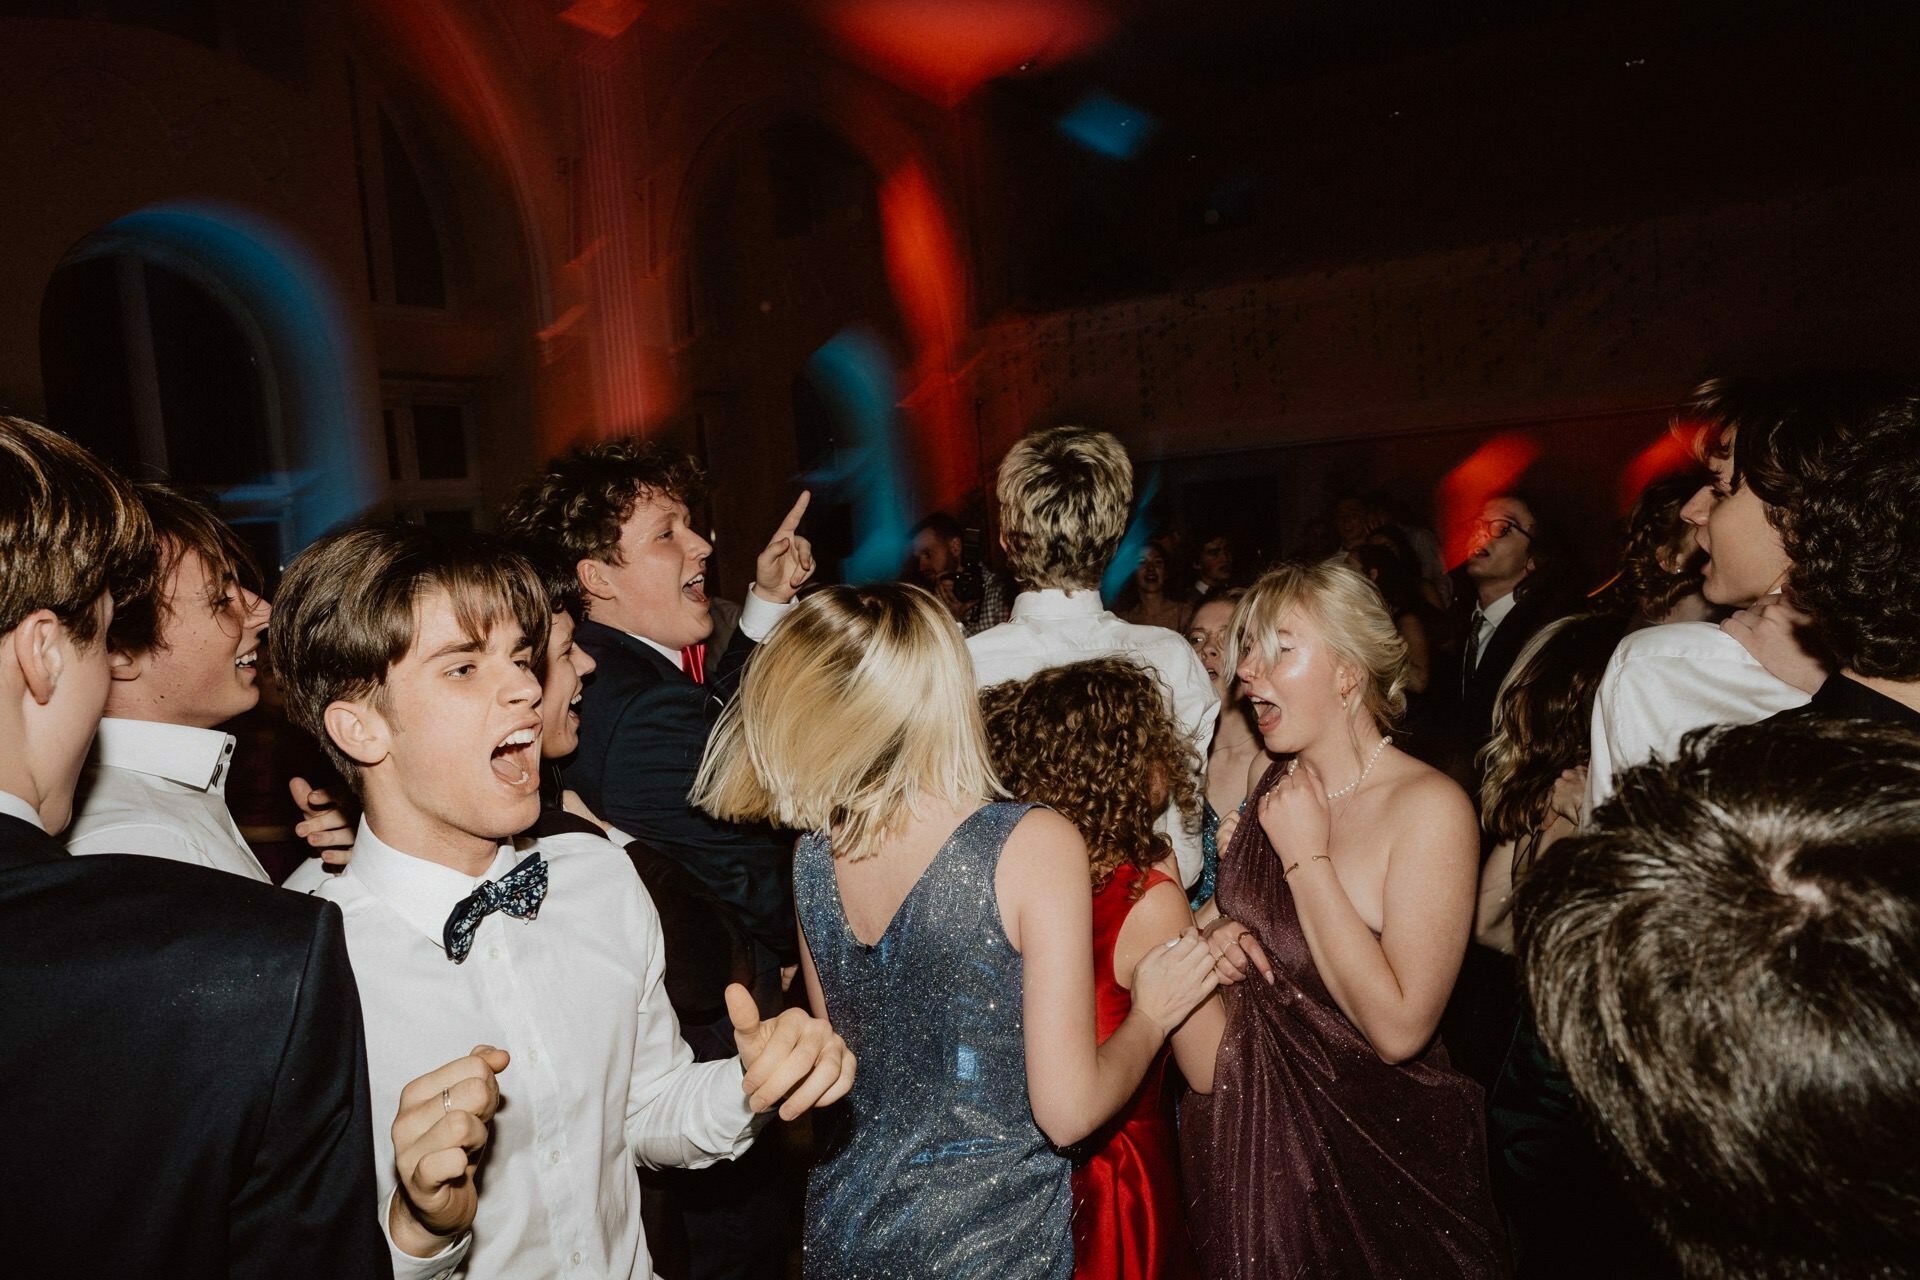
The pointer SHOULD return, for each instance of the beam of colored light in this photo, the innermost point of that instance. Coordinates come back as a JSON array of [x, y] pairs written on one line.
[[856, 380], [1106, 125], [1489, 471], [1664, 456], [1133, 544], [945, 49], [321, 367], [929, 283], [607, 19]]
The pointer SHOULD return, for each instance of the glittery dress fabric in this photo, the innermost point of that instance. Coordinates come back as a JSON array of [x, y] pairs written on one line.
[[940, 1171], [1312, 1157], [1128, 1221]]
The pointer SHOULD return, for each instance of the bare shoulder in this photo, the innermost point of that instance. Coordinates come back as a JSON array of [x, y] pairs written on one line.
[[1044, 844], [1425, 803], [1163, 907]]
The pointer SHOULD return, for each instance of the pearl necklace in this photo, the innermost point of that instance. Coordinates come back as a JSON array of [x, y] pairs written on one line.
[[1353, 786]]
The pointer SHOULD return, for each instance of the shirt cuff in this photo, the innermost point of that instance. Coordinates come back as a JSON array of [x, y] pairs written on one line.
[[440, 1266], [757, 616]]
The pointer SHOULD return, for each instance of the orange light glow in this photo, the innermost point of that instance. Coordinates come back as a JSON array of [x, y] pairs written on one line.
[[930, 285], [1489, 471], [1665, 455]]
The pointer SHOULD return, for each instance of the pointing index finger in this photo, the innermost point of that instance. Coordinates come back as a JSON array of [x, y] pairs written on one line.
[[792, 521]]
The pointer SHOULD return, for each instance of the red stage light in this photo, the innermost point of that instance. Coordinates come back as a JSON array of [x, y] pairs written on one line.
[[1669, 453], [945, 49]]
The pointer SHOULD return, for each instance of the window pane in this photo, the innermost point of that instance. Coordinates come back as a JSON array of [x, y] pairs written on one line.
[[212, 401], [440, 441], [419, 278]]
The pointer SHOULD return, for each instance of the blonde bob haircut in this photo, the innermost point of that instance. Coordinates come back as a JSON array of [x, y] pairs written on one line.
[[857, 705], [1065, 494], [1349, 609]]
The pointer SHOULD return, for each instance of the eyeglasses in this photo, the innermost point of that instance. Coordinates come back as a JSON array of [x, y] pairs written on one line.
[[1499, 528]]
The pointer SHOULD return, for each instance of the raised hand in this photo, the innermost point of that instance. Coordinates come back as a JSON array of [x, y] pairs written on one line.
[[1237, 953], [786, 562], [1172, 979], [1295, 816], [438, 1135], [1568, 797], [326, 824], [795, 1060], [1776, 634]]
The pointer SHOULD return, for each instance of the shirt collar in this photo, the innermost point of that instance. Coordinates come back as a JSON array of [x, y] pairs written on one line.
[[422, 893], [1055, 603], [671, 655], [14, 807], [1497, 612], [196, 758]]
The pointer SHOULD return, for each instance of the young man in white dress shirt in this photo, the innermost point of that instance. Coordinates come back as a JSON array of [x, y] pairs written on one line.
[[183, 664], [409, 656], [1064, 498]]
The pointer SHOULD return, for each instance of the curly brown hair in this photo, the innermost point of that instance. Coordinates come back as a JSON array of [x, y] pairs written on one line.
[[1090, 740], [1660, 565], [583, 498]]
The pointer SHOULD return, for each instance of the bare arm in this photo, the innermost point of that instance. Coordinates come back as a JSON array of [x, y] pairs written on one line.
[[1393, 987], [1493, 917], [1162, 914], [1046, 899]]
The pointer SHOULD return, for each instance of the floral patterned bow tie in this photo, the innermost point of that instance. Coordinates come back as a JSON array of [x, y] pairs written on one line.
[[518, 893]]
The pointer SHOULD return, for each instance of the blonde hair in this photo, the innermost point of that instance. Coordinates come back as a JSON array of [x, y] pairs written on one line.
[[1064, 499], [856, 706], [1359, 630]]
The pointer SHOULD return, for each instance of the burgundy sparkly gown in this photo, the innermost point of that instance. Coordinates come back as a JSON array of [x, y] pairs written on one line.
[[1313, 1158], [1127, 1220]]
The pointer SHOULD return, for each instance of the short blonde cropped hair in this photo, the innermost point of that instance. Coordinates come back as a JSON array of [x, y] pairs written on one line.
[[858, 704], [1359, 630], [1064, 497]]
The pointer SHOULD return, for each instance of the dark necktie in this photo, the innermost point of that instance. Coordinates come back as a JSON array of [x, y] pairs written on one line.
[[1470, 660], [518, 893]]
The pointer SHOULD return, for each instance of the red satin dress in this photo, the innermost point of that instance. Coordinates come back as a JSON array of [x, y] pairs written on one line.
[[1128, 1223]]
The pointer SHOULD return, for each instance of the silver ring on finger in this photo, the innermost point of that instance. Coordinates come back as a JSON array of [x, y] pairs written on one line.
[[446, 1100]]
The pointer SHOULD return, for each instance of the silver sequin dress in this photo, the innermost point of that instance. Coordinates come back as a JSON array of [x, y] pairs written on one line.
[[941, 1170]]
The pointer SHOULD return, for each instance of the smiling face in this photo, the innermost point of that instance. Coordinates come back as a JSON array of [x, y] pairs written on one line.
[[568, 665], [1295, 689], [452, 765], [202, 672], [1152, 573], [658, 590], [1207, 633], [1744, 558]]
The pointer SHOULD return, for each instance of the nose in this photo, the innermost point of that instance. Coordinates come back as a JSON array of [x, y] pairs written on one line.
[[522, 686], [583, 663], [1698, 506], [258, 608]]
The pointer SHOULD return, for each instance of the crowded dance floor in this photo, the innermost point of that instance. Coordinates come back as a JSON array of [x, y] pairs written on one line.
[[959, 640]]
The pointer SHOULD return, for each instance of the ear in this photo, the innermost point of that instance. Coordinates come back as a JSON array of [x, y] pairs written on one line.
[[1345, 681], [593, 579], [126, 666], [41, 646], [361, 733], [1002, 540]]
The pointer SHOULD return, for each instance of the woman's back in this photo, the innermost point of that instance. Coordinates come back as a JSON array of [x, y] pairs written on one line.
[[941, 1170]]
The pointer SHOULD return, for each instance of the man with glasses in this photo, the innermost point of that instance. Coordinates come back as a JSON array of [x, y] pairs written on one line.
[[1508, 568]]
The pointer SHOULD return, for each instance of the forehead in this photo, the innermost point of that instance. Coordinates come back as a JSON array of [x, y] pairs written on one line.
[[437, 625], [1215, 544], [1212, 614], [924, 539], [189, 571], [560, 630], [652, 510], [1507, 509]]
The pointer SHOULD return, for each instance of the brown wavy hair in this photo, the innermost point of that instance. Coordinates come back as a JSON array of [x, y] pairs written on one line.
[[1089, 740], [1660, 565], [579, 503]]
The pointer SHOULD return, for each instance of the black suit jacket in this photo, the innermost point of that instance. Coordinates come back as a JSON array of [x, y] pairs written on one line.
[[183, 1076], [643, 727], [1469, 702]]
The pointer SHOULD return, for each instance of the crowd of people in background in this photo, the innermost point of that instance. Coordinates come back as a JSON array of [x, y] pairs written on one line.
[[1350, 915]]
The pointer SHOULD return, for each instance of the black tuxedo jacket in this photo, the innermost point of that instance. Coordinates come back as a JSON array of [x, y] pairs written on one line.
[[1470, 701], [643, 727], [183, 1077]]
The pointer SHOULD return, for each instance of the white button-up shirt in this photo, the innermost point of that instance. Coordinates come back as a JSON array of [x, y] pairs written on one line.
[[160, 789], [1663, 681], [1054, 628], [599, 1079]]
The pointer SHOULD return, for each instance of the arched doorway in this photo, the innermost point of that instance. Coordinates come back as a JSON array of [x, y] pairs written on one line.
[[199, 345]]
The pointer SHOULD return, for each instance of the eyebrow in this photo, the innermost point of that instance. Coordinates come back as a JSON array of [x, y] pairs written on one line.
[[448, 650]]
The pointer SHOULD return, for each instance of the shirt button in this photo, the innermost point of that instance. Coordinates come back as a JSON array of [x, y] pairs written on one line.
[[493, 953], [553, 1157], [575, 1259]]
